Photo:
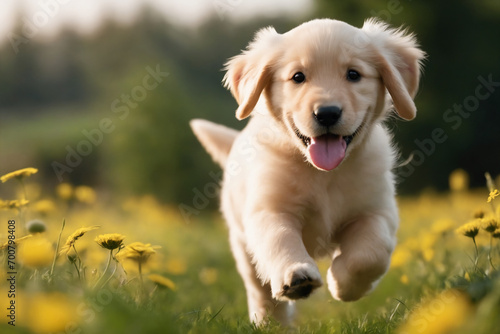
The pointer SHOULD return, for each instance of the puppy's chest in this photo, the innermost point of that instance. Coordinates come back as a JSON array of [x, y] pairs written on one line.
[[329, 207]]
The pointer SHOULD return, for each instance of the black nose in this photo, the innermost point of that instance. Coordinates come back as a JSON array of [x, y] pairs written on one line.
[[328, 116]]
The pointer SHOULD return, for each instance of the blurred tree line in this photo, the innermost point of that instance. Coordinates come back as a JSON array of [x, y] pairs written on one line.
[[130, 90]]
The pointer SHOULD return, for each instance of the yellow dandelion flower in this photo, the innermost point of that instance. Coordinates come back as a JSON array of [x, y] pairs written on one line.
[[400, 257], [37, 252], [459, 180], [137, 251], [208, 276], [44, 206], [13, 204], [85, 194], [75, 236], [470, 229], [162, 281], [4, 205], [404, 279], [19, 174], [64, 191], [467, 276], [496, 233], [489, 224], [51, 312], [445, 313], [17, 241], [110, 241], [493, 194]]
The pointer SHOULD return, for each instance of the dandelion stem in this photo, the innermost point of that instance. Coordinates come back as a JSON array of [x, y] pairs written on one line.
[[77, 256], [489, 253], [141, 282], [110, 276], [79, 267], [57, 251], [21, 209], [77, 270], [105, 269], [24, 188], [140, 274], [477, 253]]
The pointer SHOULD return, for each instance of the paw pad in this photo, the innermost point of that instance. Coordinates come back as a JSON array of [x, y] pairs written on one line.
[[301, 287]]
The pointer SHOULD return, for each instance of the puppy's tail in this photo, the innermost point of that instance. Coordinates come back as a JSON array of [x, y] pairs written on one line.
[[215, 138]]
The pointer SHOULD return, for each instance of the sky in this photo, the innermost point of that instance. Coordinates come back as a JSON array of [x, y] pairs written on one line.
[[46, 17]]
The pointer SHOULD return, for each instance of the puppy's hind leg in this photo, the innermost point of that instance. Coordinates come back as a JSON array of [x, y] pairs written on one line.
[[261, 304]]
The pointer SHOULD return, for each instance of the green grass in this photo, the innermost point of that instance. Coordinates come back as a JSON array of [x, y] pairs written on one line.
[[209, 295]]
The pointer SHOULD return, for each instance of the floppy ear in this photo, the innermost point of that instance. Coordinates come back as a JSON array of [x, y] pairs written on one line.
[[250, 72], [398, 59]]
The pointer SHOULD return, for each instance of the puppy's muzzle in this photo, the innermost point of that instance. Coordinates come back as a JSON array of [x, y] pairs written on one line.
[[328, 115], [326, 151]]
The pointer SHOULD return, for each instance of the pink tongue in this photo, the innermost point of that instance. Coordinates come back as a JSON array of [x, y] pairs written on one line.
[[327, 151]]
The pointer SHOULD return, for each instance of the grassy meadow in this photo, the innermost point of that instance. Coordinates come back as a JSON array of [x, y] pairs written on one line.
[[98, 116], [85, 262]]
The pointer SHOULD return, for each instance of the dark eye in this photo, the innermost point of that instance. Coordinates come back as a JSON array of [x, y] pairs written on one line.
[[353, 76], [299, 77]]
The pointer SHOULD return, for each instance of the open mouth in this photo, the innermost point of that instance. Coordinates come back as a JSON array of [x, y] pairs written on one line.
[[326, 151], [307, 140]]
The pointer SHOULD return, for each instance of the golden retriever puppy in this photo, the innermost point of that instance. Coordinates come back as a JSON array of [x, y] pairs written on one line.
[[311, 173]]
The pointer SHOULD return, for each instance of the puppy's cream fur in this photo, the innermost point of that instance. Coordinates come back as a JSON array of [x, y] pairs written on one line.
[[282, 210]]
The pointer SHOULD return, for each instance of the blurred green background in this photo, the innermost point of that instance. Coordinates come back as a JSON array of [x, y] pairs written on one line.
[[93, 94]]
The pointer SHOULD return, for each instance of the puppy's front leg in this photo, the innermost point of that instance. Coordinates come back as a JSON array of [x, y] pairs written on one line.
[[279, 254], [363, 256], [260, 303]]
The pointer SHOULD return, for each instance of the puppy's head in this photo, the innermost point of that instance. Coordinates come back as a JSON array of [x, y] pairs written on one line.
[[327, 82]]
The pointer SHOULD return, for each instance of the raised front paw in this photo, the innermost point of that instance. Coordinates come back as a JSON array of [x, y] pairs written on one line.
[[297, 282], [353, 279]]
